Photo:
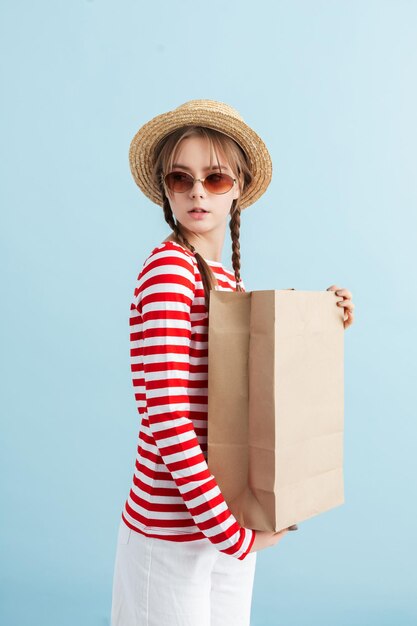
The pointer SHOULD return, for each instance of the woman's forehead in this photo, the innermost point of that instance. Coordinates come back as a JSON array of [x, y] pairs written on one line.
[[212, 160]]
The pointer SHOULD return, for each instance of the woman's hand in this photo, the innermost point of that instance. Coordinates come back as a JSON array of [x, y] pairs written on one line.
[[346, 302], [266, 539]]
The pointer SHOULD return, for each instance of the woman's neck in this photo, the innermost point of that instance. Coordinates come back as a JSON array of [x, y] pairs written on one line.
[[208, 250]]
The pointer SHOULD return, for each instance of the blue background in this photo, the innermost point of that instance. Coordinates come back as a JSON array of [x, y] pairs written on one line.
[[330, 87]]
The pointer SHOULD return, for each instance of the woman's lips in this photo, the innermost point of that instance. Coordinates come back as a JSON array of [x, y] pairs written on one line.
[[198, 214]]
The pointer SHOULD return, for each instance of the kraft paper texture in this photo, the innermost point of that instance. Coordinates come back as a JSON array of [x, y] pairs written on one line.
[[276, 404]]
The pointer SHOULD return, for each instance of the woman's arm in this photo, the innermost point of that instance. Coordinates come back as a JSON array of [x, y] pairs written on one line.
[[165, 299]]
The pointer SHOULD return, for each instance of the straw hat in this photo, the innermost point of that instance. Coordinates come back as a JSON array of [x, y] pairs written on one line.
[[211, 114]]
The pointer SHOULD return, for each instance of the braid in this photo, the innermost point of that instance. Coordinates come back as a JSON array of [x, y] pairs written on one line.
[[207, 276], [235, 233]]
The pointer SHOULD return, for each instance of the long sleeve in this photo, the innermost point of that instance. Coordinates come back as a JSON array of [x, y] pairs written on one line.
[[164, 303]]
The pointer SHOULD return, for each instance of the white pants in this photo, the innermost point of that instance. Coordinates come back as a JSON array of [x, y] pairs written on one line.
[[165, 583]]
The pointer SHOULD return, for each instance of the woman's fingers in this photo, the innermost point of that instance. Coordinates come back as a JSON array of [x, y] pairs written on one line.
[[344, 301], [347, 304], [349, 320], [343, 292]]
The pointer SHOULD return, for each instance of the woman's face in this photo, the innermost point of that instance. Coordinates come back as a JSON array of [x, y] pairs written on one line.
[[193, 157]]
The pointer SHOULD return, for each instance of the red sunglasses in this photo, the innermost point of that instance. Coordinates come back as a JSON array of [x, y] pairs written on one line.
[[180, 182]]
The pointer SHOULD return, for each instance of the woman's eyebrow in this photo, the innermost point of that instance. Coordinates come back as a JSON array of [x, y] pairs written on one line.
[[213, 167]]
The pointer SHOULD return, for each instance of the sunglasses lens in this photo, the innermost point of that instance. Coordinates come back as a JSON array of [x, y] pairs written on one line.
[[214, 183], [219, 183], [179, 181]]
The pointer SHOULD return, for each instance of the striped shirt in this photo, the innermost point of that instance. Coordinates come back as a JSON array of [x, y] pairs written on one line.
[[173, 495]]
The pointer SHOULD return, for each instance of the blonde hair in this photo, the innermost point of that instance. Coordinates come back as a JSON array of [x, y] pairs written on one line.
[[165, 155]]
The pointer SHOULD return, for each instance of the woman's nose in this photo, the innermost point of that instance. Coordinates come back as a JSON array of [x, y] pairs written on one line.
[[197, 188]]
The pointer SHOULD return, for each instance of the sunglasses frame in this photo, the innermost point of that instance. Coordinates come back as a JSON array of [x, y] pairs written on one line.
[[201, 180]]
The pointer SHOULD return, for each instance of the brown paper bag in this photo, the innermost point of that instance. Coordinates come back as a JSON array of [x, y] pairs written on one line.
[[275, 404]]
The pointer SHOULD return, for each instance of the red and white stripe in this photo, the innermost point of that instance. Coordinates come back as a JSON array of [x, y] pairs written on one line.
[[173, 495]]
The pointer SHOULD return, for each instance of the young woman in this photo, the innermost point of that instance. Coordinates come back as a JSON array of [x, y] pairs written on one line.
[[182, 558]]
